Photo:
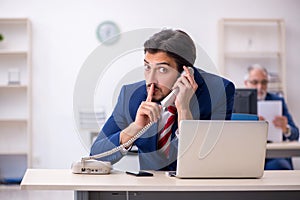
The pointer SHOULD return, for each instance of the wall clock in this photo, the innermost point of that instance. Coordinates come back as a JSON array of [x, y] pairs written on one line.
[[108, 32]]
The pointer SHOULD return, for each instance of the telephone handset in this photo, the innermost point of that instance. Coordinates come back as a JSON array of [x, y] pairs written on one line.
[[89, 165], [169, 100]]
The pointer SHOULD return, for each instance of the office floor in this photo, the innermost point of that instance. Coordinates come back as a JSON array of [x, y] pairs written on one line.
[[296, 163]]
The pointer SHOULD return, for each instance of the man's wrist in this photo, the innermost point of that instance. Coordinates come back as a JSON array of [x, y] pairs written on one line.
[[184, 114], [129, 132]]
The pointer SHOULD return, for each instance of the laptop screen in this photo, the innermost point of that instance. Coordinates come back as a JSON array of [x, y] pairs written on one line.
[[227, 149]]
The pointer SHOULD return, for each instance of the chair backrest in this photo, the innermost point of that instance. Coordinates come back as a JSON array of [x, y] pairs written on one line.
[[242, 116]]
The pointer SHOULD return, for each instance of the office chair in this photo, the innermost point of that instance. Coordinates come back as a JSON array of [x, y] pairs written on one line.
[[243, 116]]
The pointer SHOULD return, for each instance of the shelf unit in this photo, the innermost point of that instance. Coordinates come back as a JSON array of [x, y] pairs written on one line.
[[15, 99], [90, 124], [243, 42]]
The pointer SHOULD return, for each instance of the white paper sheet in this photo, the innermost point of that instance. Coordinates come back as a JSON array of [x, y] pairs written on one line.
[[268, 110]]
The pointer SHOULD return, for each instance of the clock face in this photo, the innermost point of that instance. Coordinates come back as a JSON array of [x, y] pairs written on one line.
[[108, 32]]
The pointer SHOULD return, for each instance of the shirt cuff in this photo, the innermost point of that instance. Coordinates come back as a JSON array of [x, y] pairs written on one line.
[[123, 150], [288, 133], [177, 133]]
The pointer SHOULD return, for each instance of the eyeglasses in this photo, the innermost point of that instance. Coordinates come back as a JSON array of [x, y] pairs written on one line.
[[256, 82]]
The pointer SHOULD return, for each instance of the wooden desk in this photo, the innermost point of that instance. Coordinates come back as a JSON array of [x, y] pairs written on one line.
[[118, 185], [283, 149]]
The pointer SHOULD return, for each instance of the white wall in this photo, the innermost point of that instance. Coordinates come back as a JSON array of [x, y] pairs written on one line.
[[64, 36]]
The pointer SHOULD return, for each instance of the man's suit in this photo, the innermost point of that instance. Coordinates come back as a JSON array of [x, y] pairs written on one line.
[[213, 99], [282, 163]]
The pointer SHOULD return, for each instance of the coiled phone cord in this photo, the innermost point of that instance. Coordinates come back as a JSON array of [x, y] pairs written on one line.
[[122, 146]]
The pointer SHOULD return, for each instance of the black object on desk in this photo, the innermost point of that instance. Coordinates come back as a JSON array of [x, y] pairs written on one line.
[[140, 173]]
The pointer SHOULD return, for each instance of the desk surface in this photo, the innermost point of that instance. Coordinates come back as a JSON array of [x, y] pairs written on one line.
[[283, 149], [51, 179], [283, 145]]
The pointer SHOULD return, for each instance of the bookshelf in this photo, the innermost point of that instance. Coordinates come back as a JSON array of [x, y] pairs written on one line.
[[15, 100], [243, 42]]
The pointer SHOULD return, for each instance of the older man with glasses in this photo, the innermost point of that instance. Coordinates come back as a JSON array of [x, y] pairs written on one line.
[[257, 77]]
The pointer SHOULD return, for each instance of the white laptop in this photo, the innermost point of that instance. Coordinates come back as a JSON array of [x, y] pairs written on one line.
[[221, 149]]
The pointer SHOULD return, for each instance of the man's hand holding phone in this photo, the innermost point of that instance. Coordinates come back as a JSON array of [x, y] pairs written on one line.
[[187, 87]]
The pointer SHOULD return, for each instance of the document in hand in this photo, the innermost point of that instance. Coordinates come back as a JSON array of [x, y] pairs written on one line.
[[270, 109]]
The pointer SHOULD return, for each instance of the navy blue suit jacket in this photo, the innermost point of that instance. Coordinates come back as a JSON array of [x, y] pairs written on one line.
[[213, 100], [285, 112], [282, 163]]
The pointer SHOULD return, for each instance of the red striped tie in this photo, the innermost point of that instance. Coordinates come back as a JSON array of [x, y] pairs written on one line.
[[164, 137]]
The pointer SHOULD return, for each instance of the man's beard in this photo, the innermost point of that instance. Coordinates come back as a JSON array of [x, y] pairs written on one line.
[[261, 97], [156, 89]]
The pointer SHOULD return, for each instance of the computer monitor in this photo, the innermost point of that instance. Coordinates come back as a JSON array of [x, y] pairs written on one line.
[[245, 101]]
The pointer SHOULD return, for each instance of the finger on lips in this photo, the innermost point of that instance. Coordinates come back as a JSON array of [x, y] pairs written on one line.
[[150, 93]]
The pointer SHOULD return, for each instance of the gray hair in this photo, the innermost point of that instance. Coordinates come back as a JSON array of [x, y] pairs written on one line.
[[256, 66]]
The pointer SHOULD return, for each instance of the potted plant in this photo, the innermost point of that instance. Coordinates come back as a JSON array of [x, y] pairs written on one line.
[[1, 37], [2, 41]]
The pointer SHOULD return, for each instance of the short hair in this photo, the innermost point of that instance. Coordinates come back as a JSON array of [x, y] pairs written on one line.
[[176, 43], [256, 66]]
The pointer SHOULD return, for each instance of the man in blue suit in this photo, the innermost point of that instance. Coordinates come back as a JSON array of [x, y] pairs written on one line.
[[258, 78], [201, 95]]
